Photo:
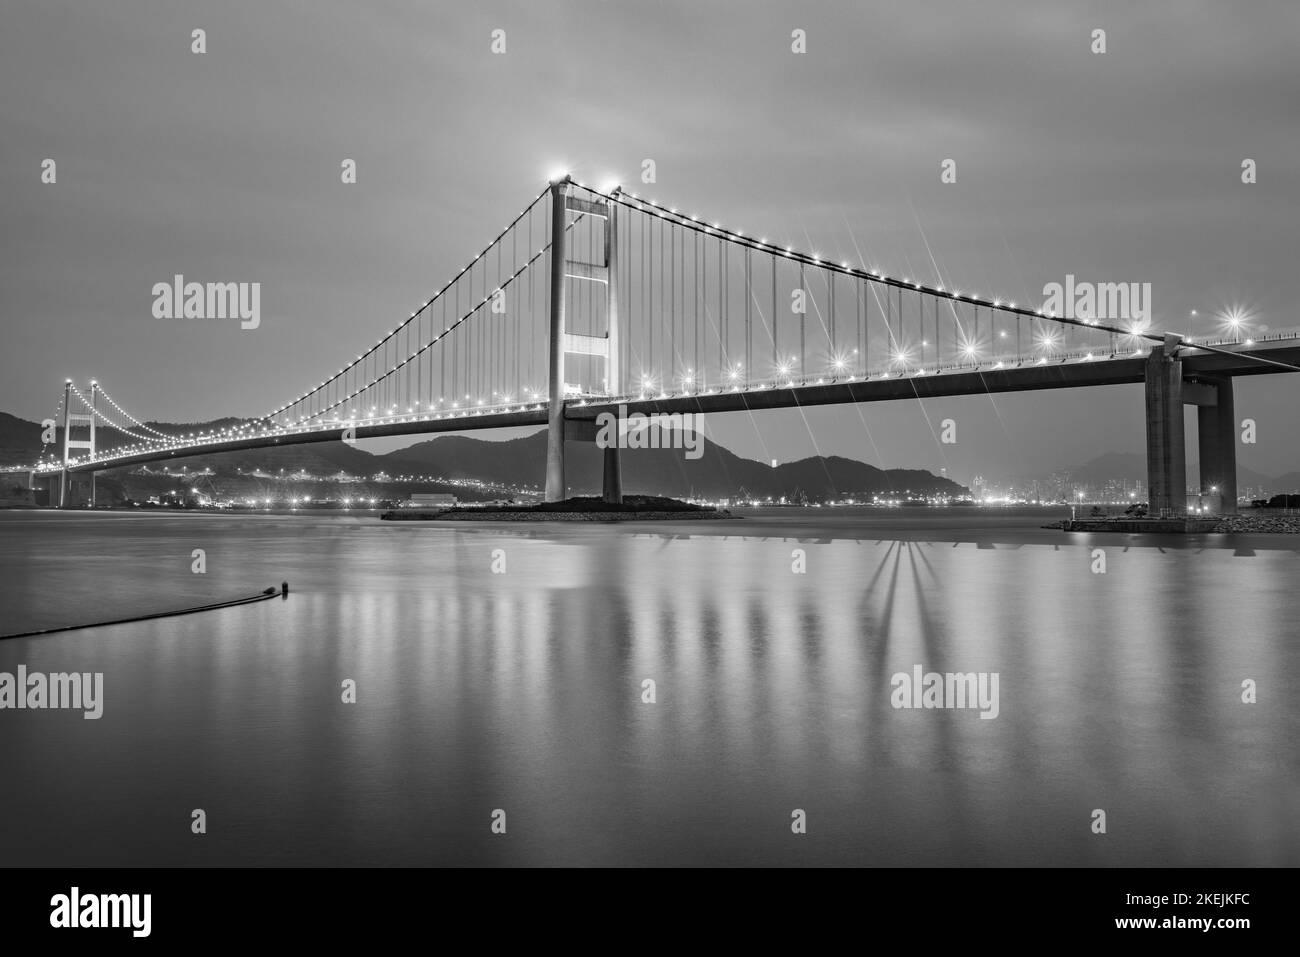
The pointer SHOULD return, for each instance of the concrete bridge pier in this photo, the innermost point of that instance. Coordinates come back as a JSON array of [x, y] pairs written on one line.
[[555, 483], [62, 489], [586, 430], [613, 481], [1166, 451], [1216, 431], [1166, 394]]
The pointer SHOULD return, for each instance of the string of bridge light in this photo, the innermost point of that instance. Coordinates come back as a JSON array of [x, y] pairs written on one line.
[[666, 214], [152, 445], [382, 339], [432, 342], [670, 215], [57, 410], [100, 413], [129, 416], [447, 331]]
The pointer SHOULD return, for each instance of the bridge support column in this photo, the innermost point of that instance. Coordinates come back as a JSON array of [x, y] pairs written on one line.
[[70, 419], [94, 394], [586, 430], [1216, 431], [613, 478], [613, 483], [555, 487], [561, 342], [1166, 455], [67, 442]]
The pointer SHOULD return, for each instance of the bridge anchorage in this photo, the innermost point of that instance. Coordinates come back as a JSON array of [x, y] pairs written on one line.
[[596, 301]]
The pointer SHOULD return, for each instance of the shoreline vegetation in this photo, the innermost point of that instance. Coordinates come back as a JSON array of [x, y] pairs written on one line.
[[633, 508]]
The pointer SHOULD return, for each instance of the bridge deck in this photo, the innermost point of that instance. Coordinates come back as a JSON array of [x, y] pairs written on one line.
[[955, 381]]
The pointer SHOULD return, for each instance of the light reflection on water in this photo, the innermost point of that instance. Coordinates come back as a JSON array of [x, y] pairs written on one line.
[[522, 691]]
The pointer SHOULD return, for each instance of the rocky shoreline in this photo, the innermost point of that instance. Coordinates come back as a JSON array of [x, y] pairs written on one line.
[[1263, 523], [1254, 522]]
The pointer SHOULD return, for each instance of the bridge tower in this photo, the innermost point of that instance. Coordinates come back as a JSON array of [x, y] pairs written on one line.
[[70, 419], [1167, 391], [563, 343]]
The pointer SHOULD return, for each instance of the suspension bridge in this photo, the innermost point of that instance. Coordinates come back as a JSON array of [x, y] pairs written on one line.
[[598, 300]]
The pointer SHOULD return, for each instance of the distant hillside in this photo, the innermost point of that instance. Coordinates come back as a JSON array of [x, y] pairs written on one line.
[[20, 440], [718, 473], [321, 458], [1285, 483]]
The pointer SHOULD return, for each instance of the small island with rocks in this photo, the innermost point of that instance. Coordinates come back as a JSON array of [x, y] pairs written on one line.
[[633, 508], [1257, 521]]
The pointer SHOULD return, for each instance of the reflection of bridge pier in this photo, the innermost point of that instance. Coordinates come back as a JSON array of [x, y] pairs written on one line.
[[1167, 391]]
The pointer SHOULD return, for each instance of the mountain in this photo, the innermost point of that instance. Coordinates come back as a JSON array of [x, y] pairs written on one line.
[[20, 440], [320, 458], [717, 473], [1285, 483]]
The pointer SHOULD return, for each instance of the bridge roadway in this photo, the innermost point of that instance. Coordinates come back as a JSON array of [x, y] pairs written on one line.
[[953, 381]]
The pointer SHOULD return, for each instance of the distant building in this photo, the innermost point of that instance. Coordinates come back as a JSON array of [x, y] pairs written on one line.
[[441, 499]]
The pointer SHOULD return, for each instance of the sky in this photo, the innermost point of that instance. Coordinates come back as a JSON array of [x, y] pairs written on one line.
[[1121, 166]]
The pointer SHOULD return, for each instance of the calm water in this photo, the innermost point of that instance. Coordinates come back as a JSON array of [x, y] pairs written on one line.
[[523, 691]]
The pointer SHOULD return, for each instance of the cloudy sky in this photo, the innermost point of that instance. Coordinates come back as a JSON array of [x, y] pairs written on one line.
[[1123, 166]]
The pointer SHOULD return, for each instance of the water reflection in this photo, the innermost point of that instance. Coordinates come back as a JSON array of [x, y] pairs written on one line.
[[523, 691]]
